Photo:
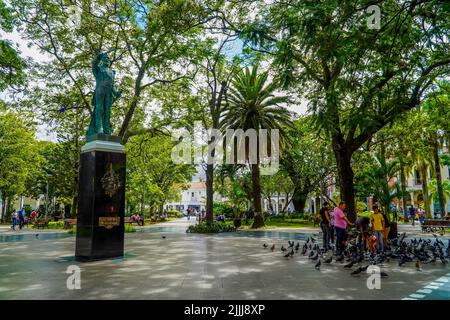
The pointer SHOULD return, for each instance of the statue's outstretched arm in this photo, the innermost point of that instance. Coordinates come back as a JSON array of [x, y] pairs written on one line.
[[95, 62]]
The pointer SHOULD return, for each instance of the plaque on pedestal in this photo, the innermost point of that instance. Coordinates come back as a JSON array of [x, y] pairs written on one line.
[[101, 206]]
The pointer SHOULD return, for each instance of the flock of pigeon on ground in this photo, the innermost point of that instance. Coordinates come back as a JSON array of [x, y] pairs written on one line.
[[422, 251]]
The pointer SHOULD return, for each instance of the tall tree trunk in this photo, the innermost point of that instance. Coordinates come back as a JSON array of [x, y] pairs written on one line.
[[209, 192], [403, 185], [423, 173], [437, 166], [74, 206], [345, 174], [299, 200], [259, 219]]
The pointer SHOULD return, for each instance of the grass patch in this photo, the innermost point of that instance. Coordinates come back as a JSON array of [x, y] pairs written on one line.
[[278, 223], [129, 228]]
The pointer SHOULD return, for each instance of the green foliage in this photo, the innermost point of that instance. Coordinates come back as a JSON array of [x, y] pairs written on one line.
[[378, 177], [19, 158], [225, 208], [433, 190], [285, 216], [174, 213], [207, 227], [252, 104], [152, 177], [129, 228], [73, 230], [56, 224], [361, 206], [308, 160], [11, 64]]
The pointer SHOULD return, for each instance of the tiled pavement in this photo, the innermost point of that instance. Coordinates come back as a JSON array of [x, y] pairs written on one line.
[[195, 266]]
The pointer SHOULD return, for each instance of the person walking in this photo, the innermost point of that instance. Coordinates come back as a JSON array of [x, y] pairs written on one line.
[[325, 225], [340, 226], [21, 217], [412, 214], [14, 220], [188, 213], [421, 215], [378, 228]]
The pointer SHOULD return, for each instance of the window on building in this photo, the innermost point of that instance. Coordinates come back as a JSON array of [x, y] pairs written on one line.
[[417, 177]]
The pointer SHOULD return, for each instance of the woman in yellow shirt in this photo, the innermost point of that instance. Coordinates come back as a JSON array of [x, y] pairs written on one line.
[[378, 228]]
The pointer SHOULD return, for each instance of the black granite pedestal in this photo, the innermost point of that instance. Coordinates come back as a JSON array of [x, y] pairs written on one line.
[[101, 206]]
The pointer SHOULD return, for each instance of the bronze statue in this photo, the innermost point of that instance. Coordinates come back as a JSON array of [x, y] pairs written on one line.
[[104, 96]]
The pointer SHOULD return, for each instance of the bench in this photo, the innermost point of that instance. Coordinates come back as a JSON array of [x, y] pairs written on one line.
[[434, 225], [41, 223], [68, 223], [131, 221]]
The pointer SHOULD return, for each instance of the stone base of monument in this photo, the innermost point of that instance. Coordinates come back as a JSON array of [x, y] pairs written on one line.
[[101, 203]]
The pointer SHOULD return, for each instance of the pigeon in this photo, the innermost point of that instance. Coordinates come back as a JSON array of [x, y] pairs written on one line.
[[316, 256], [418, 267], [163, 237], [349, 266], [328, 260], [283, 248], [37, 235], [364, 268], [384, 274], [265, 245], [317, 266], [272, 247], [291, 253], [305, 248], [311, 254], [286, 255], [356, 272]]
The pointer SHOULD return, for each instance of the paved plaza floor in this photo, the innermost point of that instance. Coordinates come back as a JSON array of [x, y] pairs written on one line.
[[198, 266]]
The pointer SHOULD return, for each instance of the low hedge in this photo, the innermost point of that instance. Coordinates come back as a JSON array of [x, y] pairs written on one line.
[[208, 227]]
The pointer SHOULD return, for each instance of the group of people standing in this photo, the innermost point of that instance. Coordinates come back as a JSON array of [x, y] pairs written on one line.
[[20, 218], [334, 224]]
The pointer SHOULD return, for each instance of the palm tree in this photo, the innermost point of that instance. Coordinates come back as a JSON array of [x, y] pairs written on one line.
[[251, 104], [434, 193], [378, 178]]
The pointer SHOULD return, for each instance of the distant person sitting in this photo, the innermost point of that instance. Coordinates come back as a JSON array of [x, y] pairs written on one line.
[[137, 218], [220, 218]]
